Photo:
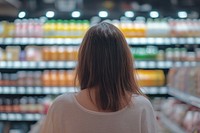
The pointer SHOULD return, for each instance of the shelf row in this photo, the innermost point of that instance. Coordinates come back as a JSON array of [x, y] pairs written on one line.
[[60, 90], [182, 96], [20, 116], [192, 100], [72, 64], [172, 126], [77, 41]]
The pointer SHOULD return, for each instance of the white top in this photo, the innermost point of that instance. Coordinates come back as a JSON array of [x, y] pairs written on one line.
[[66, 115]]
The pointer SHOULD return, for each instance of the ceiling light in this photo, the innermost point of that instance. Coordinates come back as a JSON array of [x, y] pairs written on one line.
[[182, 14], [154, 14], [103, 14], [76, 14], [50, 14], [129, 14], [22, 14]]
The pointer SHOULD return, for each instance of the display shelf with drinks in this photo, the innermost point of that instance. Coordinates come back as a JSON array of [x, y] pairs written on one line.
[[172, 126], [43, 65], [20, 117], [184, 84], [77, 41], [23, 90], [184, 117], [43, 28]]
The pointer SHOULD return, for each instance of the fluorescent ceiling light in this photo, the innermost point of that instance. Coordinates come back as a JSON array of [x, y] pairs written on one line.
[[76, 14], [103, 14], [22, 14], [129, 14], [50, 14], [154, 14]]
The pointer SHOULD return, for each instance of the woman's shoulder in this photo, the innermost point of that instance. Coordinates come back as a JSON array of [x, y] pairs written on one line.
[[63, 100], [141, 101]]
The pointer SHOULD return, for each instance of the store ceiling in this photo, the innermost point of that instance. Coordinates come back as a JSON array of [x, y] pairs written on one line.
[[63, 8]]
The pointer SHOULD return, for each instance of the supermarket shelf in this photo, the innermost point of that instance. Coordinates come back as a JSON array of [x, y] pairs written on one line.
[[20, 116], [72, 64], [77, 41], [6, 90], [37, 65], [155, 90], [172, 126], [187, 98]]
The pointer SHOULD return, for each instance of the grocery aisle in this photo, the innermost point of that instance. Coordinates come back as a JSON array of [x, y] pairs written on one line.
[[38, 58]]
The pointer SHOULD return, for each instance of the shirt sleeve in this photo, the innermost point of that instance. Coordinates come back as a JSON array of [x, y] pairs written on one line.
[[149, 123], [47, 125]]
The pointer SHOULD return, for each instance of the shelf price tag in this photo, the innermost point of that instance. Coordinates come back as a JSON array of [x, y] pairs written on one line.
[[197, 40], [24, 64], [47, 90], [159, 41], [163, 90], [32, 64], [16, 41], [29, 117], [6, 90], [190, 40], [39, 41], [1, 40], [151, 64], [182, 41], [11, 116], [38, 90], [70, 64], [21, 90], [1, 90], [55, 90], [63, 89], [143, 41], [8, 40], [142, 64], [167, 41], [4, 116], [51, 64], [153, 90], [16, 64], [42, 64], [30, 90], [60, 64], [9, 64], [3, 64], [24, 41], [31, 41], [13, 90], [174, 40], [18, 117], [151, 40]]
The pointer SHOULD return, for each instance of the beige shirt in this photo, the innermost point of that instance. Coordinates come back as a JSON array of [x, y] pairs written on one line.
[[66, 115]]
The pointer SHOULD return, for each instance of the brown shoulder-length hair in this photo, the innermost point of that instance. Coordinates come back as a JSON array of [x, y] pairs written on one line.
[[105, 64]]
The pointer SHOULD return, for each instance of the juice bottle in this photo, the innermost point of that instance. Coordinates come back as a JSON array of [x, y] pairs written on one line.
[[62, 77], [85, 27], [54, 78], [66, 28], [61, 53], [46, 54], [70, 76], [72, 26], [54, 53], [46, 79], [69, 52]]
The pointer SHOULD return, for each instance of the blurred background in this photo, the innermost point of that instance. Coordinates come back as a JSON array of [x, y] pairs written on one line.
[[39, 42]]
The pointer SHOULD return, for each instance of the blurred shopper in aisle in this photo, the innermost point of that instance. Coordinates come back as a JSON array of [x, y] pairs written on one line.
[[110, 100]]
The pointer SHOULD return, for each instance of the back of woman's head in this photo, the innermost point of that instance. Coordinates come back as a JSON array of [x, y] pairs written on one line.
[[105, 64]]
